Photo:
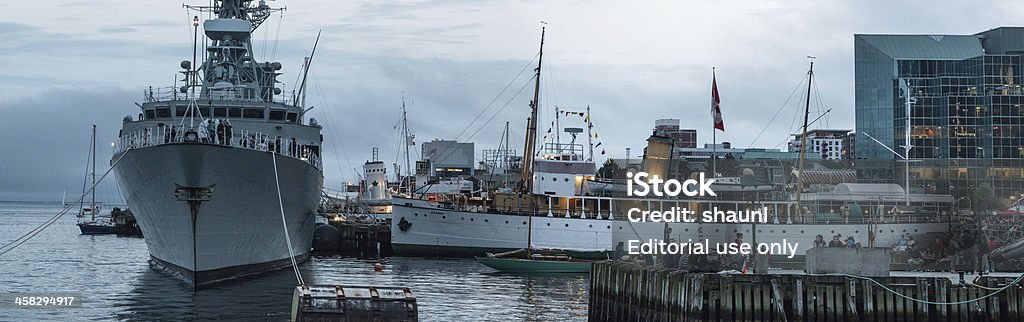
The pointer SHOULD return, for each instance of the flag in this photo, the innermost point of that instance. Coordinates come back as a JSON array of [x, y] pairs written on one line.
[[716, 102]]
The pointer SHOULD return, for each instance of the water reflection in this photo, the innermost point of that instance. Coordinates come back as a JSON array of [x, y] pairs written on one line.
[[115, 281]]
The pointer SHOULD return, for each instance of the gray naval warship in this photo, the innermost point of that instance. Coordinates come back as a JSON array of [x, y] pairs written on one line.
[[214, 169]]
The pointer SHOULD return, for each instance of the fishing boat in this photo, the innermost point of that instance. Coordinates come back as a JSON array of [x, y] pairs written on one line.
[[223, 174]]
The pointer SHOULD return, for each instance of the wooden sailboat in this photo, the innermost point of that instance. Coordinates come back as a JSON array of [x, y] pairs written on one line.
[[533, 263]]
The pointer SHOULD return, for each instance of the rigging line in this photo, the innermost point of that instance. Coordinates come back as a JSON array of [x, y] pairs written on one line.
[[449, 149], [266, 38], [526, 84], [797, 129], [478, 115], [796, 115], [85, 180], [821, 104], [284, 222], [277, 35], [35, 231], [778, 111], [332, 131]]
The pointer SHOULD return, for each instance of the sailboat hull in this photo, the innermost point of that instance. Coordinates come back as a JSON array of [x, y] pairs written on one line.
[[518, 265], [97, 229], [238, 230]]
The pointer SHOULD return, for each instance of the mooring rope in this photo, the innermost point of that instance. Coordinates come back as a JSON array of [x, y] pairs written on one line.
[[35, 231], [883, 286], [284, 223]]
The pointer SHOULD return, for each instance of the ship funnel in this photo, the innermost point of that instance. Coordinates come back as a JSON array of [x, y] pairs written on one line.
[[658, 156]]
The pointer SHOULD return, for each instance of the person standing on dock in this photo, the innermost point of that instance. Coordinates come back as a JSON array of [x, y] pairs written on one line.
[[227, 131], [220, 132]]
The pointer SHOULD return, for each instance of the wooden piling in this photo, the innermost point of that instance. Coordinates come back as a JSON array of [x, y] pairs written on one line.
[[622, 291]]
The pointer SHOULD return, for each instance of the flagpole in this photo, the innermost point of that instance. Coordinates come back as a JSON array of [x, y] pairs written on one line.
[[714, 140]]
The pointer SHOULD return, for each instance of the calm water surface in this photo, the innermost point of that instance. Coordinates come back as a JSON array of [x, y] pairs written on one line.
[[115, 282]]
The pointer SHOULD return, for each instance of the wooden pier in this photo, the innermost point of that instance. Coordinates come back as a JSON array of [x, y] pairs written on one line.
[[625, 291]]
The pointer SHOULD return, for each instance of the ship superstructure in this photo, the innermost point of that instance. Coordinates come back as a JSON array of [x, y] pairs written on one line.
[[213, 169]]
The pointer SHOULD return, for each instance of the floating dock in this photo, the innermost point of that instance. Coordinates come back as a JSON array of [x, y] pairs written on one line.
[[627, 291]]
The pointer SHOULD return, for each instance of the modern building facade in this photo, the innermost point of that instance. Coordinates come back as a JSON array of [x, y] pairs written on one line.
[[965, 110]]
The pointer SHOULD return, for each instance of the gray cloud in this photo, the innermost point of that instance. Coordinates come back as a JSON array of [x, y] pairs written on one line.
[[632, 63], [46, 141]]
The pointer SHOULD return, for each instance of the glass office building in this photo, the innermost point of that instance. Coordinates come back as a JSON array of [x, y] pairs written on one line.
[[965, 116]]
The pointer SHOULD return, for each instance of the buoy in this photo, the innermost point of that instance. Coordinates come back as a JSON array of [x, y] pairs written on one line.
[[378, 267], [326, 238]]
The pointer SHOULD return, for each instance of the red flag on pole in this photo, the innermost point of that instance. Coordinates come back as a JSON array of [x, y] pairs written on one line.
[[715, 105]]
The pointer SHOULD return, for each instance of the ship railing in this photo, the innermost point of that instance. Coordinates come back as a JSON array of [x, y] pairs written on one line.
[[169, 93], [778, 212], [236, 138]]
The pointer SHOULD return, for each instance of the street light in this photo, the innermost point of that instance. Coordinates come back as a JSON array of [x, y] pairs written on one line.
[[905, 89]]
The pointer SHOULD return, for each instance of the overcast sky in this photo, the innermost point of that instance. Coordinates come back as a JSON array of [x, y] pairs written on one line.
[[69, 64]]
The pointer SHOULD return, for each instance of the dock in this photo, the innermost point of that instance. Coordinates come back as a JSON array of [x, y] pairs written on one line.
[[628, 291], [366, 239]]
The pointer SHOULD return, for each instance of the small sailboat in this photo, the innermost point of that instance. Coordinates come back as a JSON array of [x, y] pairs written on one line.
[[94, 226], [536, 263]]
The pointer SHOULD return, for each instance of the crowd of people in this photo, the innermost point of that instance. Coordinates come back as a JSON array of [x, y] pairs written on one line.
[[837, 241], [966, 247], [220, 132]]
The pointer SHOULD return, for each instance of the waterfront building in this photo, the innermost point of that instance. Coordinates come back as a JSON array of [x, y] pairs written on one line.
[[681, 138], [965, 110], [829, 144], [449, 158]]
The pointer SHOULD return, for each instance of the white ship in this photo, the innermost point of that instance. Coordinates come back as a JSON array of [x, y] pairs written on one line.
[[568, 215], [213, 169]]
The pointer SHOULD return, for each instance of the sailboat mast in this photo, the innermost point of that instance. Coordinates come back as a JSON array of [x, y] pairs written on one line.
[[803, 139], [405, 134], [531, 127], [93, 173]]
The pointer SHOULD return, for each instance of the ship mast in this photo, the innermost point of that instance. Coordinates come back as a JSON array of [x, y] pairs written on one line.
[[405, 136], [531, 127], [803, 139]]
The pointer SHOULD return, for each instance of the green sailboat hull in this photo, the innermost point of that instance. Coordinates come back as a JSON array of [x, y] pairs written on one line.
[[535, 266]]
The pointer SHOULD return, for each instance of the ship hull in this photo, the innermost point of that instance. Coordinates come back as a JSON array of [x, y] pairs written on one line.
[[432, 231], [437, 232], [238, 231]]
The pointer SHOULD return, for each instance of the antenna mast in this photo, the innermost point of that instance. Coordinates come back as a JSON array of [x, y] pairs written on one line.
[[305, 72]]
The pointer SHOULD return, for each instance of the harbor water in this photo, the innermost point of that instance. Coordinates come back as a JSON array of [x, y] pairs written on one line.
[[113, 280]]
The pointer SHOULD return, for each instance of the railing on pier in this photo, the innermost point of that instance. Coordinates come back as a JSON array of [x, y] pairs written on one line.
[[624, 291], [257, 141]]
